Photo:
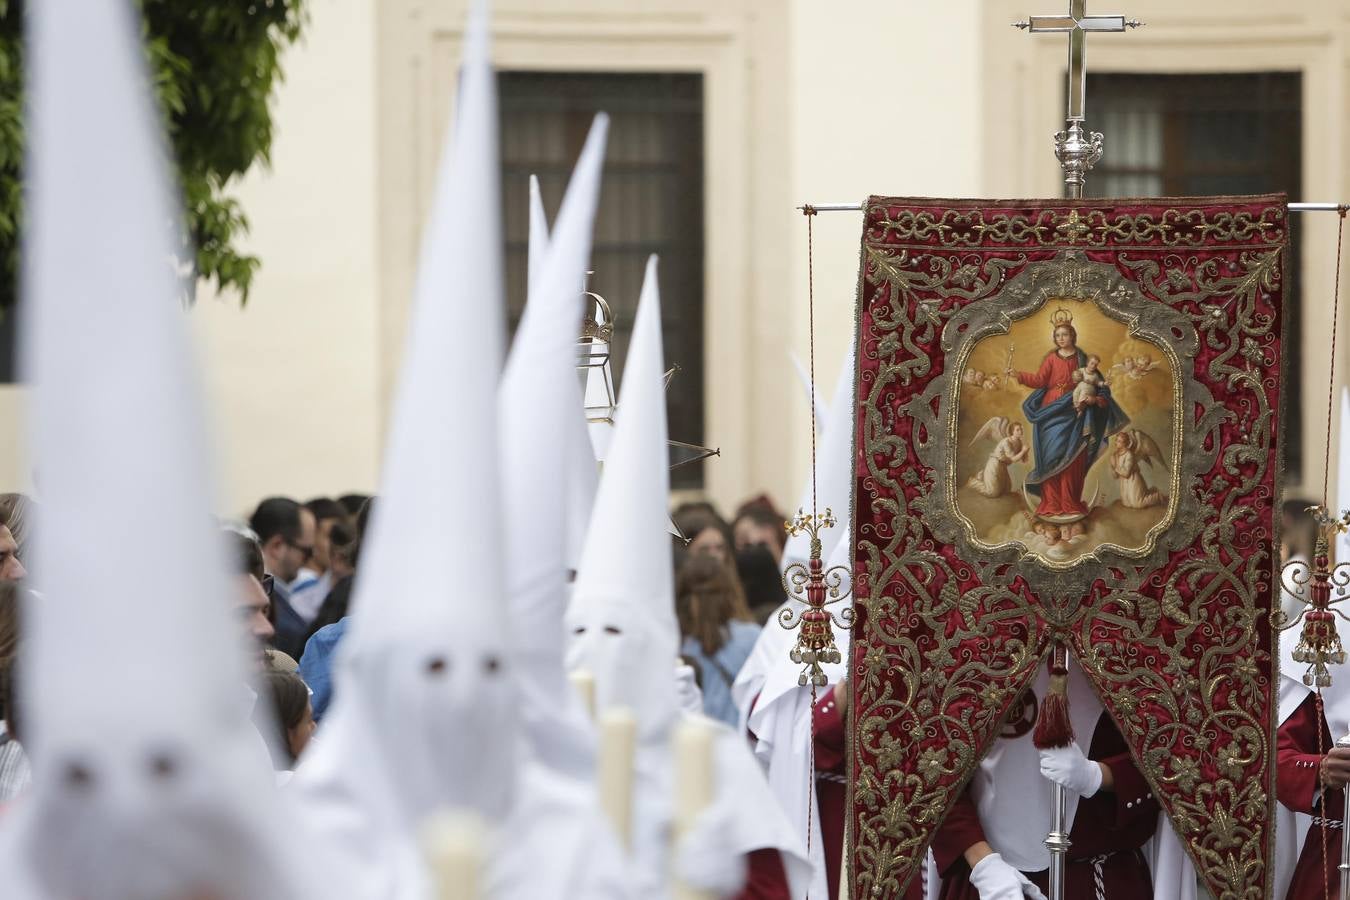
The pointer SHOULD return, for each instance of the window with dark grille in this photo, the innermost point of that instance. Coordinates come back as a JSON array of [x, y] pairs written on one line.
[[1189, 135], [651, 201], [9, 370]]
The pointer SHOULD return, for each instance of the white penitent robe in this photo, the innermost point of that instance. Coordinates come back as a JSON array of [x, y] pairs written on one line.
[[777, 713], [743, 818], [1013, 798], [552, 844]]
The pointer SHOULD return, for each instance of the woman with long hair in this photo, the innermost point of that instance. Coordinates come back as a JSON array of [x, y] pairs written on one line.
[[716, 629]]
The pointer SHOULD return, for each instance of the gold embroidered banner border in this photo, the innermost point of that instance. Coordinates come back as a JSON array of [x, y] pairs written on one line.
[[1174, 632]]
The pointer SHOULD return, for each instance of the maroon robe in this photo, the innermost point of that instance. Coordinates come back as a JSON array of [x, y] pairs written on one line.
[[1298, 786], [1105, 861], [831, 791], [766, 878]]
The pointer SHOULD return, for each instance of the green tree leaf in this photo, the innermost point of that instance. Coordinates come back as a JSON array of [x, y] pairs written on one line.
[[214, 68]]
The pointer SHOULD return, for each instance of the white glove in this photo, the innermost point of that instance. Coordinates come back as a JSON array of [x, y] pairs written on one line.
[[996, 880], [703, 858], [687, 693], [1069, 767]]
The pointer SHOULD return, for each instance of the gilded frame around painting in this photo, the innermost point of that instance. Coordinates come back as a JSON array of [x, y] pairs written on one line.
[[1069, 276]]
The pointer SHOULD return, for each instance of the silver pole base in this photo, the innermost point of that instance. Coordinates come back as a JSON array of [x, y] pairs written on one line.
[[1057, 841]]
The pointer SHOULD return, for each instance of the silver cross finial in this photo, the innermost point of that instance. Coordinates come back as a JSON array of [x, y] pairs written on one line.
[[1077, 149]]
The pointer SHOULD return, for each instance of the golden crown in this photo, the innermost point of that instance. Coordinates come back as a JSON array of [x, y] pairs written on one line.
[[1060, 317]]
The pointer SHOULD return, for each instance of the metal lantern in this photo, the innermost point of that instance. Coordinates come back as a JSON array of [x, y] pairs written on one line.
[[593, 359]]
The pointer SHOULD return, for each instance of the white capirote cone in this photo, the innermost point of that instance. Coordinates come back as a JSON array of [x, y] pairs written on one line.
[[425, 714], [540, 397], [622, 615], [538, 243], [622, 628], [781, 719], [583, 469], [834, 483], [583, 480], [1342, 477], [149, 780], [834, 468], [819, 406]]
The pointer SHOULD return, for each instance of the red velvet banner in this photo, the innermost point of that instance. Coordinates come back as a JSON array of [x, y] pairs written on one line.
[[1068, 432]]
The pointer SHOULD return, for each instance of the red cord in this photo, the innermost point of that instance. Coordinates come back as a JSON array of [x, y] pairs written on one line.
[[1331, 376], [1326, 873], [811, 794], [810, 212]]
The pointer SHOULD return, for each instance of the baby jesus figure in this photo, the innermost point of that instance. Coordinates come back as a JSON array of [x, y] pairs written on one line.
[[1087, 380]]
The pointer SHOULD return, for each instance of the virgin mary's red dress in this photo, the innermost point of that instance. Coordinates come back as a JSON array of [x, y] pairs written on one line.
[[1066, 441]]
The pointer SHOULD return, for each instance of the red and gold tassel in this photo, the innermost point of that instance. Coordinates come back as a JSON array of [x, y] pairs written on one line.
[[1053, 727]]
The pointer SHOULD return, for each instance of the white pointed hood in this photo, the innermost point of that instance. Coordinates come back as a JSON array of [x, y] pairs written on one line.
[[834, 468], [540, 396], [538, 244], [583, 480], [622, 616], [1343, 477], [425, 711], [821, 410], [148, 778], [1335, 697], [583, 471], [834, 482], [780, 721]]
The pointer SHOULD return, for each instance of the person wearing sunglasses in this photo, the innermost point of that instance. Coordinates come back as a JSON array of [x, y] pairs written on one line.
[[286, 533]]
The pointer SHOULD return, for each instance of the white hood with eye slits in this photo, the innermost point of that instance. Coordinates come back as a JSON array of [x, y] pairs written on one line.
[[426, 715], [623, 630], [622, 615], [424, 700], [148, 778]]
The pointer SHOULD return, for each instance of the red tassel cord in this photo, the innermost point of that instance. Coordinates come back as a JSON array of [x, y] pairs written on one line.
[[1053, 728]]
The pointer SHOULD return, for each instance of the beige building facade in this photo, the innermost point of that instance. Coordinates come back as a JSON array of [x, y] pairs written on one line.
[[804, 101]]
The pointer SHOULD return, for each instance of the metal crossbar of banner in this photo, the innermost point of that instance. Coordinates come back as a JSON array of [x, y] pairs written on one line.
[[1293, 207]]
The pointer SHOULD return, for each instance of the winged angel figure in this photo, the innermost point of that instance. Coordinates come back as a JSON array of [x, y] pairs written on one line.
[[994, 481], [1135, 367], [1132, 448]]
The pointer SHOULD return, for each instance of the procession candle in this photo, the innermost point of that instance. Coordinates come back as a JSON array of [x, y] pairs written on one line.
[[694, 785], [584, 684], [618, 743], [453, 845]]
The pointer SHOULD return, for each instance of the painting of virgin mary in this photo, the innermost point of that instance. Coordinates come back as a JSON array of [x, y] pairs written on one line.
[[1039, 460], [1065, 440]]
